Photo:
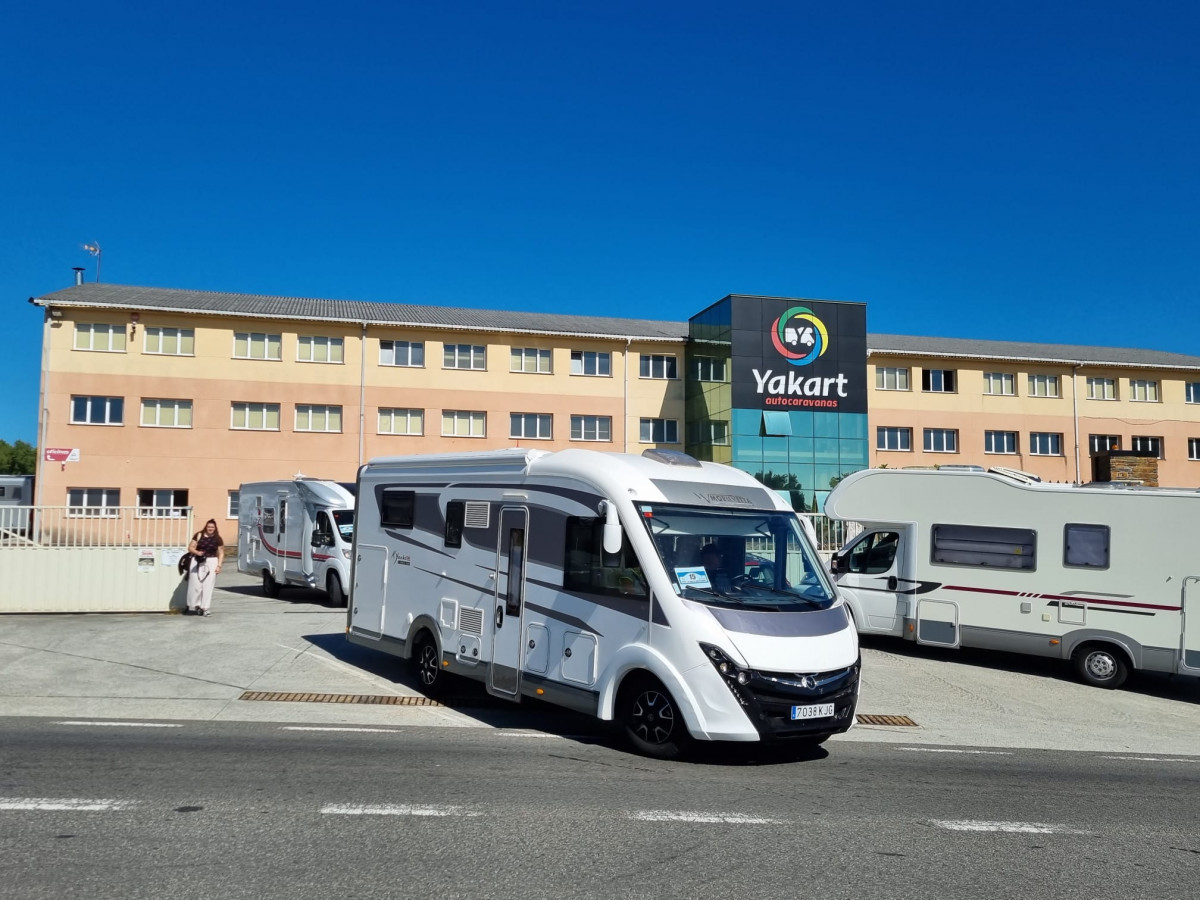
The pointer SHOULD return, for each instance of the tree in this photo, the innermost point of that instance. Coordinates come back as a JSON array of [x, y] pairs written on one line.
[[18, 458]]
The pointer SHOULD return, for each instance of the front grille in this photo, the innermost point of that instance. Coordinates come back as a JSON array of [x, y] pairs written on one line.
[[768, 699]]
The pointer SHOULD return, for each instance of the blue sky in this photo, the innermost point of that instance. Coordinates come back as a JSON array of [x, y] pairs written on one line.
[[1015, 171]]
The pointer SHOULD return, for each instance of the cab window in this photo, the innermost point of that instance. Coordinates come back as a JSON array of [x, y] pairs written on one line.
[[874, 554]]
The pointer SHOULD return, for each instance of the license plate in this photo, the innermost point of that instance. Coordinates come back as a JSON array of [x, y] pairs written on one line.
[[814, 711]]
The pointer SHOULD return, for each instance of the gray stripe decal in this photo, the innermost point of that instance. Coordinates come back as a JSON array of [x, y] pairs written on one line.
[[781, 624]]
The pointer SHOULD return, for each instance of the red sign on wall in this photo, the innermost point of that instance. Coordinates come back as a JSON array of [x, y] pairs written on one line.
[[62, 454]]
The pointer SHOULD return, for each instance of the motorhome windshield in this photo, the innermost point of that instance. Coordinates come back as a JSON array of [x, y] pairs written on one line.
[[344, 520], [752, 560]]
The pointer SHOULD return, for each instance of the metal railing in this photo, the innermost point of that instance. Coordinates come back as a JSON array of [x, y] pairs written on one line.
[[832, 534], [94, 526]]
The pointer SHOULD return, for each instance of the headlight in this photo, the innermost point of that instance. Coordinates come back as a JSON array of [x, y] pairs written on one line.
[[346, 552]]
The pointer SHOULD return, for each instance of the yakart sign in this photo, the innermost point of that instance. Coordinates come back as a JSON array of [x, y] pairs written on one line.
[[799, 354]]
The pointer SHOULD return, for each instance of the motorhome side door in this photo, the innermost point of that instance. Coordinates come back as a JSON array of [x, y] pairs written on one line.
[[508, 605], [1190, 662], [868, 573], [290, 536]]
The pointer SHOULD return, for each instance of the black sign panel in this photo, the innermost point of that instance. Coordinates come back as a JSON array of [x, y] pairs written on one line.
[[799, 354]]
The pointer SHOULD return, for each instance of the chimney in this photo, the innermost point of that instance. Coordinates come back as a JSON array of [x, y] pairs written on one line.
[[78, 275]]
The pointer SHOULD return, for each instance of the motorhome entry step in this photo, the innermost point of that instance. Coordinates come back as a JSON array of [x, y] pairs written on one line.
[[369, 699], [885, 720]]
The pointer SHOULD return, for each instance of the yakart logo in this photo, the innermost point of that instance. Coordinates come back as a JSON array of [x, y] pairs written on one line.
[[799, 336]]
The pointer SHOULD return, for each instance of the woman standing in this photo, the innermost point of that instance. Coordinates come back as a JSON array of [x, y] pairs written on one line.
[[208, 552]]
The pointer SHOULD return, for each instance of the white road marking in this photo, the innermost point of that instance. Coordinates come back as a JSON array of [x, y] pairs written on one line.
[[658, 815], [330, 728], [122, 724], [532, 734], [1153, 759], [945, 750], [72, 804], [337, 809], [1017, 827]]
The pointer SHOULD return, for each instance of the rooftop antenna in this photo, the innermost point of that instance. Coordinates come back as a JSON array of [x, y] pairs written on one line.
[[94, 249]]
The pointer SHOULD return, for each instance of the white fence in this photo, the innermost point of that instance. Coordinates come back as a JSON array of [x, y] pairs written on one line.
[[832, 534], [95, 559]]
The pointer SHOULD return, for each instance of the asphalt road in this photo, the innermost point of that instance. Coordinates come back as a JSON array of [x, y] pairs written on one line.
[[192, 809]]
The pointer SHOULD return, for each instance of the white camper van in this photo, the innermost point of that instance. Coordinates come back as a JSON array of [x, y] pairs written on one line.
[[16, 504], [579, 577], [297, 533], [1103, 575]]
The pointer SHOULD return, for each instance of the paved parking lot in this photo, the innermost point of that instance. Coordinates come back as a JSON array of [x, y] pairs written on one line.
[[181, 667]]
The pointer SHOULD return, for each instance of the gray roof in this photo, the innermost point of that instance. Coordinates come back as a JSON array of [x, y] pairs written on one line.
[[117, 296]]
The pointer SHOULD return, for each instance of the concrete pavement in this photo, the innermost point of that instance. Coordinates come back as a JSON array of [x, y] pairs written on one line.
[[172, 667]]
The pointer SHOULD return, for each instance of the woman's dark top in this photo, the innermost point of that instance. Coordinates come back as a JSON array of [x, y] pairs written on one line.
[[207, 544]]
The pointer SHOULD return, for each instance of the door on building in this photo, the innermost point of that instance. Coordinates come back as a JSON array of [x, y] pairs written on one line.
[[504, 673]]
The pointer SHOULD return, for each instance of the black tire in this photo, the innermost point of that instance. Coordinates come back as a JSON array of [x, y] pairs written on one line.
[[427, 664], [270, 585], [1101, 665], [651, 719], [333, 587]]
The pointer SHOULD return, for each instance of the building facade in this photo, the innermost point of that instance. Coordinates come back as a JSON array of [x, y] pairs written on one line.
[[162, 398]]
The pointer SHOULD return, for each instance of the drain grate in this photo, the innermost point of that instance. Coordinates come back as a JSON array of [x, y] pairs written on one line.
[[885, 720], [369, 699]]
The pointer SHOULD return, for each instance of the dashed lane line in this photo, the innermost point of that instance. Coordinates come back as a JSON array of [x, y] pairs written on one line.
[[703, 818], [69, 804], [338, 809], [949, 750], [120, 724], [1012, 827]]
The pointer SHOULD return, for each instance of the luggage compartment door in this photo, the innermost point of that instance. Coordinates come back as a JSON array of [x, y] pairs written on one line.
[[937, 623], [508, 605]]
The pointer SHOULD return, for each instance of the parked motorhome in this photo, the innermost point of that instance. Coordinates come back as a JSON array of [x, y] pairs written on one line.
[[16, 502], [297, 533], [578, 577], [1104, 575]]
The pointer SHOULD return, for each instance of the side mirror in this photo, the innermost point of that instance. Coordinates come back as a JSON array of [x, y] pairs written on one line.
[[612, 529], [835, 564]]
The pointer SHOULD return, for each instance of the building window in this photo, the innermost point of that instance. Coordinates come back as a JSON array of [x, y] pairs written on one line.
[[1045, 443], [464, 356], [1000, 442], [1191, 392], [591, 362], [1102, 443], [169, 341], [157, 413], [318, 417], [97, 410], [233, 505], [1000, 383], [1143, 391], [319, 349], [530, 359], [105, 338], [892, 438], [657, 366], [162, 502], [402, 353], [591, 428], [939, 381], [254, 416], [1194, 448], [658, 431], [93, 502], [401, 421], [1145, 444], [463, 423], [1101, 389], [257, 345], [941, 440], [535, 426], [891, 378], [711, 368], [709, 431], [1043, 386]]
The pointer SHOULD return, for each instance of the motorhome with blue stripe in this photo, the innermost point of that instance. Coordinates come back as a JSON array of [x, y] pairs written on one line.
[[1103, 574], [680, 598]]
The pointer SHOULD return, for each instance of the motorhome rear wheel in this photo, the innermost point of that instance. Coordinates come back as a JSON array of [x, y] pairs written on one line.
[[270, 585]]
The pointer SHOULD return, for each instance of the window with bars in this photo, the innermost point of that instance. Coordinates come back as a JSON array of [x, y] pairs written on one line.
[[941, 440], [1101, 389], [1143, 391], [658, 431], [1000, 442], [464, 423], [162, 502], [162, 413], [97, 410], [254, 416], [93, 502], [891, 378], [396, 420], [939, 381], [591, 362], [657, 366], [1043, 386], [464, 356], [102, 338], [1002, 384], [169, 341], [1147, 444], [1045, 443], [711, 369], [591, 428], [891, 437], [257, 345], [409, 354], [318, 417], [535, 426], [531, 359], [317, 348]]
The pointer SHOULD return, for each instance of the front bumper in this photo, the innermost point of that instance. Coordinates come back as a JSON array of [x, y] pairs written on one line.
[[767, 699]]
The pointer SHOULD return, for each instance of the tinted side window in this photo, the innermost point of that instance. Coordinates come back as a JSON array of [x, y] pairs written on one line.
[[1086, 546], [455, 515], [976, 545], [584, 569], [396, 508], [874, 554]]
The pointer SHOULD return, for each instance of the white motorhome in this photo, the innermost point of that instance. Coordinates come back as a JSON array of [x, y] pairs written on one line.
[[297, 533], [16, 502], [577, 577], [1104, 575]]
